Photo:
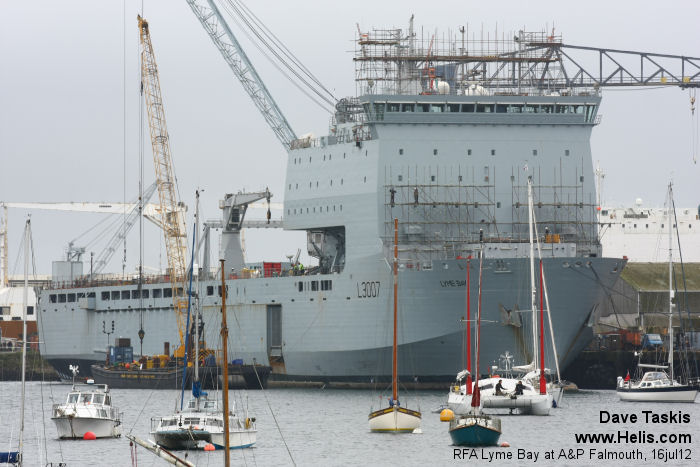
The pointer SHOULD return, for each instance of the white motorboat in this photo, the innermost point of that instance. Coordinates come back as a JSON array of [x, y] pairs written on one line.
[[88, 408], [656, 385]]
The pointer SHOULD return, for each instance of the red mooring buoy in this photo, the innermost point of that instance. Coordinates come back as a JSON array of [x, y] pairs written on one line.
[[89, 435]]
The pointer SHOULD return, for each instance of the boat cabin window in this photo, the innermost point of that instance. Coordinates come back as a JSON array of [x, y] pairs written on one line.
[[655, 376], [392, 107], [191, 421], [157, 293], [103, 413], [501, 108], [52, 298], [135, 294], [105, 295], [422, 107], [167, 293], [209, 404], [437, 108], [210, 290], [408, 107], [85, 398], [115, 295], [314, 286], [453, 107], [98, 399], [62, 298], [125, 295], [485, 108], [215, 422], [73, 398], [190, 404], [467, 107], [108, 400]]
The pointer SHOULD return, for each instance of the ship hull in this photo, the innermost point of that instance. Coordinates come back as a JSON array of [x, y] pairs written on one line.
[[344, 334]]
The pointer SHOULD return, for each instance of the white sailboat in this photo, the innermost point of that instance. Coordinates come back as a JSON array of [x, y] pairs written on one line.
[[203, 420], [395, 418], [530, 394], [656, 385]]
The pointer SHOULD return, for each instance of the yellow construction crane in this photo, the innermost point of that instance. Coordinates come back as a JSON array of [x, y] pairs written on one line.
[[173, 220]]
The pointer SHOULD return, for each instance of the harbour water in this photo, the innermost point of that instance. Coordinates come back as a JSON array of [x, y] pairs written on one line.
[[329, 427]]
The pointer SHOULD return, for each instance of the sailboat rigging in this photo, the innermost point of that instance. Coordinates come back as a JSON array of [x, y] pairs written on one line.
[[656, 385], [530, 394], [395, 419]]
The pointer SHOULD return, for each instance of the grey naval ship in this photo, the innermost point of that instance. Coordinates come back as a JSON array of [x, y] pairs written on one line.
[[441, 141]]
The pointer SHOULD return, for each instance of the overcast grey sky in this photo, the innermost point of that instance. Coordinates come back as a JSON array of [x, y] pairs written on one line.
[[62, 92]]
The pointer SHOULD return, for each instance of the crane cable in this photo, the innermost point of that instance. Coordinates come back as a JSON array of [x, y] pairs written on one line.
[[693, 126], [251, 25], [285, 50]]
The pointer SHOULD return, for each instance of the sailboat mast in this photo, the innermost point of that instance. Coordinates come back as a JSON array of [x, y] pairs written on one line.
[[394, 366], [224, 349], [670, 280], [469, 329], [533, 288], [196, 303], [543, 382], [476, 394], [25, 300]]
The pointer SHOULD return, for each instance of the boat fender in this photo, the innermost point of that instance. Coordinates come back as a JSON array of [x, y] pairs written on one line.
[[505, 444], [209, 447], [89, 435], [247, 423], [554, 404]]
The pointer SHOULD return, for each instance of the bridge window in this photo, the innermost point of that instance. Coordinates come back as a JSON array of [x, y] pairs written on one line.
[[484, 108], [453, 107], [501, 108], [547, 109], [515, 108], [467, 107], [393, 107], [408, 107], [437, 108]]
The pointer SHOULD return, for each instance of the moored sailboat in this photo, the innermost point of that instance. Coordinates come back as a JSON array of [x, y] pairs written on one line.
[[395, 419], [656, 385], [475, 428], [529, 394]]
